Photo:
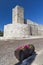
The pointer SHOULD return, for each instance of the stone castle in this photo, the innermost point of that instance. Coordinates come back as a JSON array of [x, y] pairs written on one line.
[[20, 27]]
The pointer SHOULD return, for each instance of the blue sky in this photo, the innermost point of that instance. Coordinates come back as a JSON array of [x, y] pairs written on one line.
[[33, 10]]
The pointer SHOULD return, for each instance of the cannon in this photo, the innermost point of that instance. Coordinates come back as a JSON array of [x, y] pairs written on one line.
[[22, 52]]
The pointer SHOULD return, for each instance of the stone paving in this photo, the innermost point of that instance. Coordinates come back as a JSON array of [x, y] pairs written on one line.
[[39, 59], [7, 50]]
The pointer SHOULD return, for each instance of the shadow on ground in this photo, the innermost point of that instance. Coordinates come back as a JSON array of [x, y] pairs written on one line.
[[27, 61]]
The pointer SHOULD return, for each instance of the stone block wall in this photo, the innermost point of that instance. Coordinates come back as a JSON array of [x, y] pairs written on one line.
[[16, 30], [34, 30], [31, 22], [33, 27], [21, 27], [40, 29]]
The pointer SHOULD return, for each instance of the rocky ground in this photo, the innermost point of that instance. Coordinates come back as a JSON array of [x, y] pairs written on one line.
[[8, 47]]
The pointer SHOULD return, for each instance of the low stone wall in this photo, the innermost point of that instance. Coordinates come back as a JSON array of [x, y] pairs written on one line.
[[37, 41]]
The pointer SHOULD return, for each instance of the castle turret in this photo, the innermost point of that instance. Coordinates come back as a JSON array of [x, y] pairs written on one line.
[[18, 14]]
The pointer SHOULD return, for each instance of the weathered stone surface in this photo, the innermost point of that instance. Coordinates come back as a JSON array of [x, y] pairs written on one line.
[[34, 30], [7, 49], [16, 30], [39, 59], [18, 14], [40, 30], [21, 27]]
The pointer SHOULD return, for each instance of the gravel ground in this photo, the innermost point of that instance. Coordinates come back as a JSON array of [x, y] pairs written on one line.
[[7, 49]]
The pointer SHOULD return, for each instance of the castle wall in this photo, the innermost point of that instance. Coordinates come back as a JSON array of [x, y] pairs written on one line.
[[16, 30], [40, 29], [21, 27], [33, 27], [30, 22], [34, 30]]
